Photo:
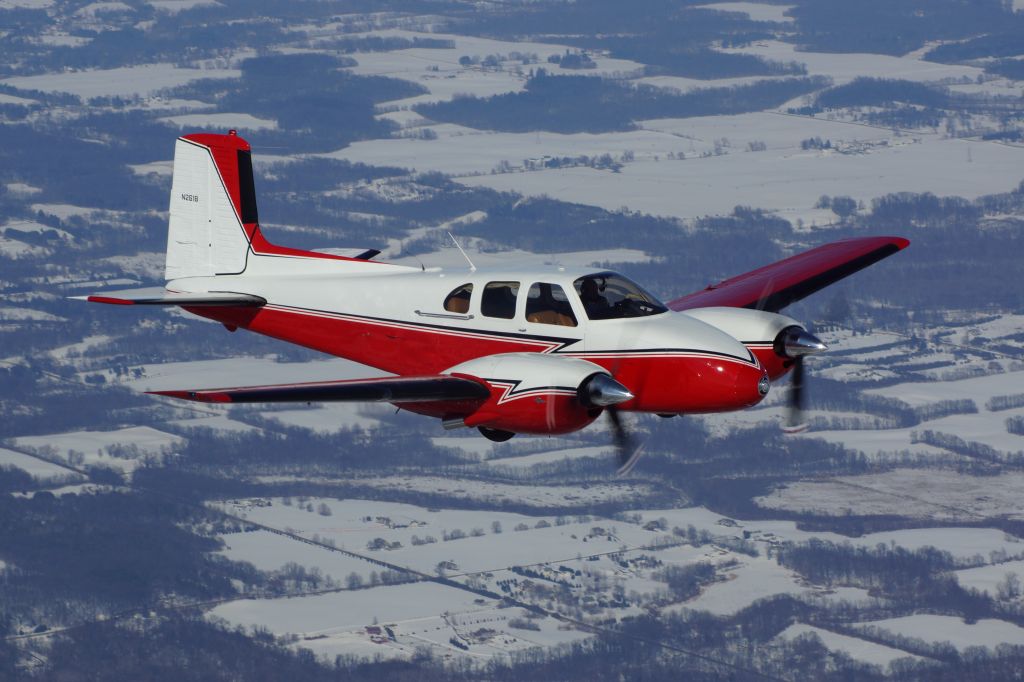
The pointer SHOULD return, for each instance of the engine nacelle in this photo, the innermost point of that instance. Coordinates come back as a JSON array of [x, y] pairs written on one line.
[[761, 331], [533, 393]]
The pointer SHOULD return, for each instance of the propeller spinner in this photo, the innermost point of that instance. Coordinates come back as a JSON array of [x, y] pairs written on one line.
[[797, 343]]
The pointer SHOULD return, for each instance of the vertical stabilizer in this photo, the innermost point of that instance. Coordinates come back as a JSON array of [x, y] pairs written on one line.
[[213, 207]]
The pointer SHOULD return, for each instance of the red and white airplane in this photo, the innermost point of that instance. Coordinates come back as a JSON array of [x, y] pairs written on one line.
[[535, 350]]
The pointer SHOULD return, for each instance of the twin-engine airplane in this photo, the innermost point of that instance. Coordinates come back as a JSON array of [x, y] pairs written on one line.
[[537, 350]]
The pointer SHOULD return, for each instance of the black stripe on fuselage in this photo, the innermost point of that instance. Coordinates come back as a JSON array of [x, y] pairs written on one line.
[[563, 343]]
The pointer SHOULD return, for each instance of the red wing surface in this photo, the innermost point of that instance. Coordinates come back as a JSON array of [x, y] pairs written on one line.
[[775, 286], [411, 389]]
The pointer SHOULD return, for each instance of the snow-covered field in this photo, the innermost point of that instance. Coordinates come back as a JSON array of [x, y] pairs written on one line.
[[270, 552], [124, 81], [757, 11], [978, 389], [987, 632], [38, 469], [352, 524], [93, 448], [240, 371], [788, 182], [859, 649], [844, 67], [756, 578], [917, 493], [988, 578], [221, 121], [341, 611]]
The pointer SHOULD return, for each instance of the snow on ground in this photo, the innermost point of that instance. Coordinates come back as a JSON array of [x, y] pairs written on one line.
[[346, 610], [756, 578], [440, 72], [685, 84], [500, 493], [755, 10], [879, 445], [162, 168], [11, 99], [95, 446], [987, 632], [962, 543], [218, 422], [449, 258], [14, 248], [788, 182], [124, 81], [240, 372], [33, 226], [778, 131], [145, 265], [9, 313], [844, 67], [223, 121], [988, 578], [858, 649], [914, 493], [28, 4], [604, 452], [38, 469], [65, 211], [978, 389], [476, 152], [175, 6], [347, 527], [270, 552], [330, 418]]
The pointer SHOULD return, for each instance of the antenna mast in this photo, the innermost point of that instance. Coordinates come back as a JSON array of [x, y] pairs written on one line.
[[472, 268]]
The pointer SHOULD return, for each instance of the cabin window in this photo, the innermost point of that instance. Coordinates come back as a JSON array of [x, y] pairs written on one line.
[[458, 300], [610, 296], [548, 304], [499, 300]]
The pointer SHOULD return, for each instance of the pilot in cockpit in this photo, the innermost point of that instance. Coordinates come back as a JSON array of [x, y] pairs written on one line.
[[594, 302]]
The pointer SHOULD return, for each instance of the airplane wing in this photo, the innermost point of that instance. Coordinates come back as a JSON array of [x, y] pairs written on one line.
[[161, 296], [775, 286], [407, 389]]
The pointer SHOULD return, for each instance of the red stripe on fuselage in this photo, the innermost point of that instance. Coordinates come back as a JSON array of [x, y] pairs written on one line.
[[663, 380]]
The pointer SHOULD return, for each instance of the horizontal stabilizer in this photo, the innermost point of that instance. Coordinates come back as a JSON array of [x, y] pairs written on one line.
[[411, 389], [161, 296]]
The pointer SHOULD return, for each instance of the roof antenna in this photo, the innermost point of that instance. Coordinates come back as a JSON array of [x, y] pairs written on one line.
[[472, 268]]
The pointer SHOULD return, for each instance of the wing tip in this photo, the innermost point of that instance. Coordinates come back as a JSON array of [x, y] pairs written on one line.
[[110, 300]]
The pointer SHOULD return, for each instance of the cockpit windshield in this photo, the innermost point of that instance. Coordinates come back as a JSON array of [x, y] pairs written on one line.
[[609, 296]]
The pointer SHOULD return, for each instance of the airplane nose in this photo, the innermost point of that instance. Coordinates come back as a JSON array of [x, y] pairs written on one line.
[[752, 385]]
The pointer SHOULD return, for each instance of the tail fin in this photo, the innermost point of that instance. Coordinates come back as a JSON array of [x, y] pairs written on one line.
[[213, 207]]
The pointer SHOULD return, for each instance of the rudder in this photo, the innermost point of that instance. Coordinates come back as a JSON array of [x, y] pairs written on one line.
[[213, 214]]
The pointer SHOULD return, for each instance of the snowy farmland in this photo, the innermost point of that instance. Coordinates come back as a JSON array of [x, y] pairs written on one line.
[[788, 182], [123, 82], [859, 649], [39, 469], [987, 632], [120, 449]]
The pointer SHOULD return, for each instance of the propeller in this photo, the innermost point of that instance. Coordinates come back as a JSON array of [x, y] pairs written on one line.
[[797, 343], [602, 391]]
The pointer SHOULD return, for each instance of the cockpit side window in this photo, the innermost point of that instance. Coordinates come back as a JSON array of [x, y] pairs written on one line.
[[458, 300], [499, 300], [548, 304], [610, 296]]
